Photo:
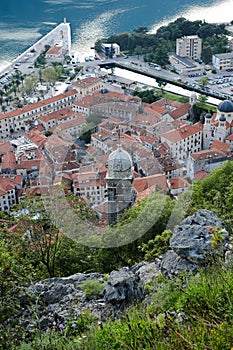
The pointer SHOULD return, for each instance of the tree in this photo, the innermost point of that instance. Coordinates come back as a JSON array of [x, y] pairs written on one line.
[[202, 99], [206, 54], [161, 84], [30, 85], [49, 75], [16, 273], [154, 248], [40, 234], [203, 81], [215, 193]]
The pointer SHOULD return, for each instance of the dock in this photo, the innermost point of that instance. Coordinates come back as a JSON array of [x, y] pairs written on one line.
[[60, 35]]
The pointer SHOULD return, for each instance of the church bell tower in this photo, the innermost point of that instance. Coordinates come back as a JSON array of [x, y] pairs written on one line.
[[121, 194]]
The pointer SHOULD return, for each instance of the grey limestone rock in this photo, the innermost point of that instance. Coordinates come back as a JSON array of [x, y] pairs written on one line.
[[122, 285], [149, 271], [172, 264], [192, 239]]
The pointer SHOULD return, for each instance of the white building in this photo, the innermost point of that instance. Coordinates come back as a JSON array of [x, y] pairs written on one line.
[[222, 61], [7, 193], [111, 50], [20, 119], [189, 46], [90, 185], [183, 140], [218, 126]]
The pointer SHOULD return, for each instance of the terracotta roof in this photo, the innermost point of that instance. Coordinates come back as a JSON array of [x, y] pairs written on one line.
[[93, 151], [230, 137], [183, 132], [58, 115], [220, 146], [180, 112], [207, 154], [155, 181], [72, 123], [7, 157], [163, 102], [54, 50], [6, 184], [37, 105], [102, 135], [85, 102], [153, 109], [29, 165], [201, 175], [146, 119], [37, 137], [179, 182], [86, 81], [149, 139]]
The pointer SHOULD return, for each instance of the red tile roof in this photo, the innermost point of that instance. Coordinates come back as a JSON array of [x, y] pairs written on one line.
[[201, 175], [220, 146], [180, 112], [54, 50], [183, 132], [37, 137], [6, 184], [155, 181], [58, 115], [179, 182], [37, 105], [86, 82]]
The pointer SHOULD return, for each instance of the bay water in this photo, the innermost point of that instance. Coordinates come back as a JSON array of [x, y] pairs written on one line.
[[22, 22]]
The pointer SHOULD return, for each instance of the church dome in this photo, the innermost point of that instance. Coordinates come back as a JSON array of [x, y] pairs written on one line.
[[119, 162], [225, 106], [222, 118], [208, 116]]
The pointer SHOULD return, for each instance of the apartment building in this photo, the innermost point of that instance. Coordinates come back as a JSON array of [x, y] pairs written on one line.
[[23, 118], [189, 46], [223, 61], [184, 140], [88, 85]]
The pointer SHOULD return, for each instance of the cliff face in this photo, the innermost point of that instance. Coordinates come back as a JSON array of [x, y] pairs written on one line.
[[197, 239]]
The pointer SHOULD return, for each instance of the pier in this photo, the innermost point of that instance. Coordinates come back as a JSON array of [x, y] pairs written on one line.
[[60, 35]]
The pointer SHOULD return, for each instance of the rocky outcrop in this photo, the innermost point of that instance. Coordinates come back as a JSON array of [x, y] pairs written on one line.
[[194, 241], [123, 286], [58, 299]]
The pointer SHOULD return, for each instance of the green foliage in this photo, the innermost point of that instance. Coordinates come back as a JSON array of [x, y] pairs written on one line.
[[147, 96], [50, 75], [215, 193], [157, 246], [92, 288], [156, 46], [59, 336], [48, 133], [15, 273], [189, 312]]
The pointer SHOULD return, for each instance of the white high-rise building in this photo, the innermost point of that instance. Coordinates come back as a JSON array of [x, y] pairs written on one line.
[[189, 46]]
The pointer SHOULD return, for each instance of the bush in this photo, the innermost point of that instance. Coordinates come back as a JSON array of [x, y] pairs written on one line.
[[92, 288]]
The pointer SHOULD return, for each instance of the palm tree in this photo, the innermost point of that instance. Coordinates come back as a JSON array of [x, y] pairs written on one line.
[[7, 100]]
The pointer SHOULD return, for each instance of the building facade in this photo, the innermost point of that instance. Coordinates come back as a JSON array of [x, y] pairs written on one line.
[[223, 61], [189, 46]]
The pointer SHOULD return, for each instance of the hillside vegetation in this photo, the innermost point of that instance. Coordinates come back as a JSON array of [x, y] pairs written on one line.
[[187, 312], [155, 47]]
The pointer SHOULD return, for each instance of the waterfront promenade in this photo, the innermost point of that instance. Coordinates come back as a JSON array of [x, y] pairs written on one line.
[[60, 35]]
